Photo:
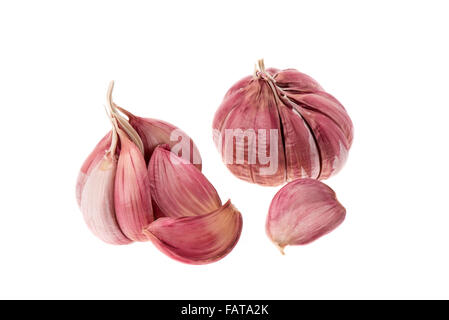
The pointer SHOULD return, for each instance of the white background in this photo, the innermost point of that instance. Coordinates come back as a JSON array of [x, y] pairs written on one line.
[[386, 61]]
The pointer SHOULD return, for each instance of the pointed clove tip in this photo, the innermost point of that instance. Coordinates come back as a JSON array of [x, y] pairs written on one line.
[[147, 233], [124, 111], [281, 248], [111, 86]]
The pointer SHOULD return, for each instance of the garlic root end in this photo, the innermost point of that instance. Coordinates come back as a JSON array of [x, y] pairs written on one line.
[[280, 247]]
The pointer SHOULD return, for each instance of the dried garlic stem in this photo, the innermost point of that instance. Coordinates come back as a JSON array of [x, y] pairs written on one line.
[[114, 141], [125, 112], [255, 76], [114, 138], [130, 131], [261, 72], [261, 65]]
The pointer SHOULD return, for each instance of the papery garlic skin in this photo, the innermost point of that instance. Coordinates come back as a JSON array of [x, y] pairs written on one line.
[[301, 212], [155, 132], [178, 188], [132, 191], [97, 202], [188, 221], [254, 107], [92, 160], [194, 228], [315, 131], [198, 239]]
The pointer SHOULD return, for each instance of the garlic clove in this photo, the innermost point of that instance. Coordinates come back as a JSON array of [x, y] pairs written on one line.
[[325, 117], [238, 86], [178, 188], [154, 132], [92, 160], [332, 144], [293, 80], [199, 239], [326, 104], [97, 201], [301, 212], [225, 108], [301, 153], [327, 136], [254, 113], [132, 191]]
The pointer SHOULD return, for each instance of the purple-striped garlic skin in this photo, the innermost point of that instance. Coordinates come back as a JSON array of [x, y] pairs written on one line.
[[178, 188], [301, 212], [193, 226], [314, 131], [116, 185], [94, 157], [95, 192], [132, 191], [155, 132], [253, 106], [198, 239], [97, 202]]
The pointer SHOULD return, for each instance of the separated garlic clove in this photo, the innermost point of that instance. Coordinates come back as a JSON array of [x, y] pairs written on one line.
[[301, 212], [200, 239], [178, 188], [195, 228], [97, 194], [132, 191], [92, 160], [154, 132]]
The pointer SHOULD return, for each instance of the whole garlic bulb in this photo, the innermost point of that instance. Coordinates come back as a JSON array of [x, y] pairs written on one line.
[[280, 125]]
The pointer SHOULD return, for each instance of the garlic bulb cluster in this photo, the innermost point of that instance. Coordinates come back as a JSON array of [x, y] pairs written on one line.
[[143, 182], [280, 125], [301, 212]]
